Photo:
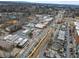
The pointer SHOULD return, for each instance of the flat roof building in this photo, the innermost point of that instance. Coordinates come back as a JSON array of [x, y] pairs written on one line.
[[61, 35]]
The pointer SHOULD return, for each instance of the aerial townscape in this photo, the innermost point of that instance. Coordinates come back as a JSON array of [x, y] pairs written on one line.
[[38, 30]]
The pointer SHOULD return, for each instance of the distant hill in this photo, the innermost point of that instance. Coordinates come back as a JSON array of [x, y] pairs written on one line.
[[25, 3]]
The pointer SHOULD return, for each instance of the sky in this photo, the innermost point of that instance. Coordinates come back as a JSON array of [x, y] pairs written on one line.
[[75, 2]]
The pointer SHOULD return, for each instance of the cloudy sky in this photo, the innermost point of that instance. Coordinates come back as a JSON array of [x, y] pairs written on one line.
[[75, 2]]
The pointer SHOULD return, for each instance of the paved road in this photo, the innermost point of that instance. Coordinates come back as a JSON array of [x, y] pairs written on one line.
[[68, 41], [70, 38], [41, 55]]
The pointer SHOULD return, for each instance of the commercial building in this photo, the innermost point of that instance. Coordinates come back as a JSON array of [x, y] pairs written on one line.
[[77, 36]]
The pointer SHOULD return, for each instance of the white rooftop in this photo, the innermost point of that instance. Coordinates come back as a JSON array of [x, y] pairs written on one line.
[[78, 32], [76, 23], [30, 24], [40, 25], [77, 27], [61, 35], [48, 19], [25, 31]]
